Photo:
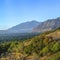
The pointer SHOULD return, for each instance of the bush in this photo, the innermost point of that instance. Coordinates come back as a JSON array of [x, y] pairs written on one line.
[[44, 51], [55, 56], [55, 47]]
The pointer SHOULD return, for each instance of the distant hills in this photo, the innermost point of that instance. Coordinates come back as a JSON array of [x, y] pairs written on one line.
[[34, 26], [50, 24], [25, 27]]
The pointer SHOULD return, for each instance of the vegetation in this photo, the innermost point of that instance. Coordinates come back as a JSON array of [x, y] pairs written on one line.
[[41, 47]]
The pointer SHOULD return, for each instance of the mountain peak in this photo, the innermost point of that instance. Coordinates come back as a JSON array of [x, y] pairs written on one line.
[[34, 21]]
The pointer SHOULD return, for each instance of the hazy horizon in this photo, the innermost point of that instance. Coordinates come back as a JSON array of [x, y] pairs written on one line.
[[14, 12]]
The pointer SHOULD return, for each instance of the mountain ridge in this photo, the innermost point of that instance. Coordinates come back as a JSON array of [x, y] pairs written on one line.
[[48, 25], [24, 27], [34, 26]]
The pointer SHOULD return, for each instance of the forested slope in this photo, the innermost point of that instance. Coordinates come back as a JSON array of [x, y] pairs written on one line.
[[46, 46]]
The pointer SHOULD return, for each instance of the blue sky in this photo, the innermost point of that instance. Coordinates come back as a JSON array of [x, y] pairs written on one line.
[[13, 12]]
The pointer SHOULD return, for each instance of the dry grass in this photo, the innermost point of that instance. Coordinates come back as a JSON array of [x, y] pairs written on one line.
[[54, 35]]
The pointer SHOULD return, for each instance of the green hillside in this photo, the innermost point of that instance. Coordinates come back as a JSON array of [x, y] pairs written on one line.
[[46, 46]]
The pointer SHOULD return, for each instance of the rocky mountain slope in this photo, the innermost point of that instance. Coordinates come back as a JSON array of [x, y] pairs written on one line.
[[48, 25]]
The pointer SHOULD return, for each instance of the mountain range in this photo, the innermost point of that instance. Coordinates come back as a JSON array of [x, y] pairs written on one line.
[[25, 27], [34, 26]]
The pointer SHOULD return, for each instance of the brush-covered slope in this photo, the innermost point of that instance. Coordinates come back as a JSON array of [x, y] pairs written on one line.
[[55, 35], [42, 47]]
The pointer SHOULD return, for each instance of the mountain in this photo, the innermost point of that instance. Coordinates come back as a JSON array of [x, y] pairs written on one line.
[[48, 25], [23, 27], [34, 26], [3, 32]]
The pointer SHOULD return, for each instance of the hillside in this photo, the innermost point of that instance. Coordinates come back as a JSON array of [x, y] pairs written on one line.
[[50, 24], [46, 46], [54, 35]]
